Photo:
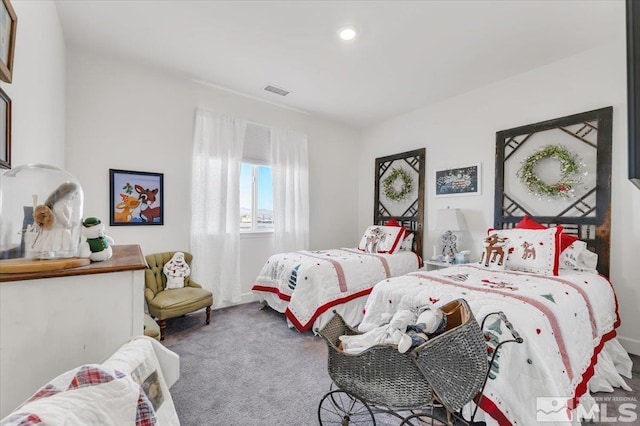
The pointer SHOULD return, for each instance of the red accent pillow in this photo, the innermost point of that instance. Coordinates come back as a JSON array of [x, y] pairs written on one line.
[[565, 239], [394, 222], [528, 223]]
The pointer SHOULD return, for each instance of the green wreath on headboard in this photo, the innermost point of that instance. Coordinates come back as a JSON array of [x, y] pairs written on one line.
[[570, 166], [389, 186]]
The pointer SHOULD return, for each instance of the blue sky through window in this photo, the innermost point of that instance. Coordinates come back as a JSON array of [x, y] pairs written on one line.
[[265, 188], [262, 217]]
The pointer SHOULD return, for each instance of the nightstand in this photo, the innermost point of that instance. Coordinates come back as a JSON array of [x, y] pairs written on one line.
[[432, 265]]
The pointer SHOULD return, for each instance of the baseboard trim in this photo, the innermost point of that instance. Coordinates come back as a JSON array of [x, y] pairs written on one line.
[[244, 298], [630, 345]]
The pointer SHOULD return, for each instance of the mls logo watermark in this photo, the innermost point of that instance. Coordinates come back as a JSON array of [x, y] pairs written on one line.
[[556, 409], [552, 409]]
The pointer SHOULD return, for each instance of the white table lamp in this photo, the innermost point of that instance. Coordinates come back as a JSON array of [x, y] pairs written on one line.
[[450, 221]]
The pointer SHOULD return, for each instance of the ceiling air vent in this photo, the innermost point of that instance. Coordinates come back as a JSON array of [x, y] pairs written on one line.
[[276, 90]]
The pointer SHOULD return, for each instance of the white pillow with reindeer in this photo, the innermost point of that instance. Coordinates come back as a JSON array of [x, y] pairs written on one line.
[[531, 250], [382, 239]]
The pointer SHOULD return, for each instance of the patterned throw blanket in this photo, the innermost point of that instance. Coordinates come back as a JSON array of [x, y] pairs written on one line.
[[312, 282], [87, 395], [565, 321]]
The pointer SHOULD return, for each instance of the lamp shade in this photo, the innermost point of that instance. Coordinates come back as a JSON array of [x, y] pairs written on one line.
[[450, 220]]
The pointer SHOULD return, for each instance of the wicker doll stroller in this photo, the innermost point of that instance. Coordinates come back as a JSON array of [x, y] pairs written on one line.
[[428, 385]]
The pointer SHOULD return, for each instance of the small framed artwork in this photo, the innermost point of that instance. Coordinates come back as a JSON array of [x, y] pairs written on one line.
[[8, 22], [459, 181], [5, 131], [136, 198]]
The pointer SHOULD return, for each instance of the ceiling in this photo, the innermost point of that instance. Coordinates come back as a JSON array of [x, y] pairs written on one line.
[[408, 53]]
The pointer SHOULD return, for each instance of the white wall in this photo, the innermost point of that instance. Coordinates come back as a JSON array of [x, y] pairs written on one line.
[[132, 117], [461, 131], [37, 91]]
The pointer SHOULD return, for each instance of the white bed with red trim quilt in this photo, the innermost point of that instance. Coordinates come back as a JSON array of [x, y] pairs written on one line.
[[308, 285], [568, 323]]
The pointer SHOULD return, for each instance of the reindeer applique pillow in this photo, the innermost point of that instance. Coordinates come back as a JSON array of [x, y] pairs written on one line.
[[382, 239], [531, 250], [494, 252]]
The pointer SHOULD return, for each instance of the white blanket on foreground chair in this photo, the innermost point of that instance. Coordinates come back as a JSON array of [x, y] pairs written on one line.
[[128, 388]]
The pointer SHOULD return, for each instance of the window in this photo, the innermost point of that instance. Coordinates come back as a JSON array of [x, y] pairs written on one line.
[[256, 198]]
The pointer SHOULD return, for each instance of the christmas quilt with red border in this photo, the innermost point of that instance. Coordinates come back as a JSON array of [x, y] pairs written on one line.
[[565, 321], [314, 281]]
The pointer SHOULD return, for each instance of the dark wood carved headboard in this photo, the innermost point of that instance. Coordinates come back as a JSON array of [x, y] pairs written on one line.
[[586, 213], [409, 211]]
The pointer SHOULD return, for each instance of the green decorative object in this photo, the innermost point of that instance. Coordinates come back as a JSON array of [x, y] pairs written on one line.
[[570, 167], [389, 186], [549, 296]]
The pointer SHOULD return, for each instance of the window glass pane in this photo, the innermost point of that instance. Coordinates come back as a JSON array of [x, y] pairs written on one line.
[[246, 195], [265, 198]]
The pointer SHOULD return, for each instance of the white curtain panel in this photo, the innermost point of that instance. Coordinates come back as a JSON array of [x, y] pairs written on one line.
[[290, 171], [215, 205]]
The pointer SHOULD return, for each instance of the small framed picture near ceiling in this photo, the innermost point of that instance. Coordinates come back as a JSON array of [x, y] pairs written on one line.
[[465, 180], [136, 198], [8, 22], [5, 131]]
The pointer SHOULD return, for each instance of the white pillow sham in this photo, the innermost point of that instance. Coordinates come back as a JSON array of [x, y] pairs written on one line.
[[577, 256], [382, 239], [532, 250], [407, 242]]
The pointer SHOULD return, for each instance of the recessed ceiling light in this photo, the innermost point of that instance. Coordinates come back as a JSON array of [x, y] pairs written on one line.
[[348, 33]]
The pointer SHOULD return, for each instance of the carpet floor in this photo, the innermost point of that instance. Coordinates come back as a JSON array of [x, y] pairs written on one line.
[[248, 368]]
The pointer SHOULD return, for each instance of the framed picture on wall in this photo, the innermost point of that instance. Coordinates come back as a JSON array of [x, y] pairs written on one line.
[[8, 22], [459, 181], [136, 198], [5, 131]]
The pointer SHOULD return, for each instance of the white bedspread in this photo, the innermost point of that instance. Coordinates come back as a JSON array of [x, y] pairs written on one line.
[[309, 283], [565, 322]]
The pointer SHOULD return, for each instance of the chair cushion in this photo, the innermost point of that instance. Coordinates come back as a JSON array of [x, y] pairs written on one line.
[[176, 302], [151, 328]]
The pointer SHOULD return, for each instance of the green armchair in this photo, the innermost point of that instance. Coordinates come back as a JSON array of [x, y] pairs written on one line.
[[164, 304]]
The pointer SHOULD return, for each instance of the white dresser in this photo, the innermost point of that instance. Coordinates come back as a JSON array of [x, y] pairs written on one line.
[[53, 321]]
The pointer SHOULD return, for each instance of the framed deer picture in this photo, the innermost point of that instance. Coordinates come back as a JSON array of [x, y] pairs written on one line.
[[8, 22], [136, 198]]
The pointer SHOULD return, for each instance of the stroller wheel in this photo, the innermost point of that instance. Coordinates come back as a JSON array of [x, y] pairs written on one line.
[[341, 408], [433, 416]]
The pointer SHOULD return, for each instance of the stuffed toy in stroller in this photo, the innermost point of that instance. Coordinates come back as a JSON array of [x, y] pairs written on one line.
[[406, 329]]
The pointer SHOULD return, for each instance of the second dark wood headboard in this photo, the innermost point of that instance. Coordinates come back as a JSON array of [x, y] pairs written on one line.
[[411, 213], [588, 214]]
